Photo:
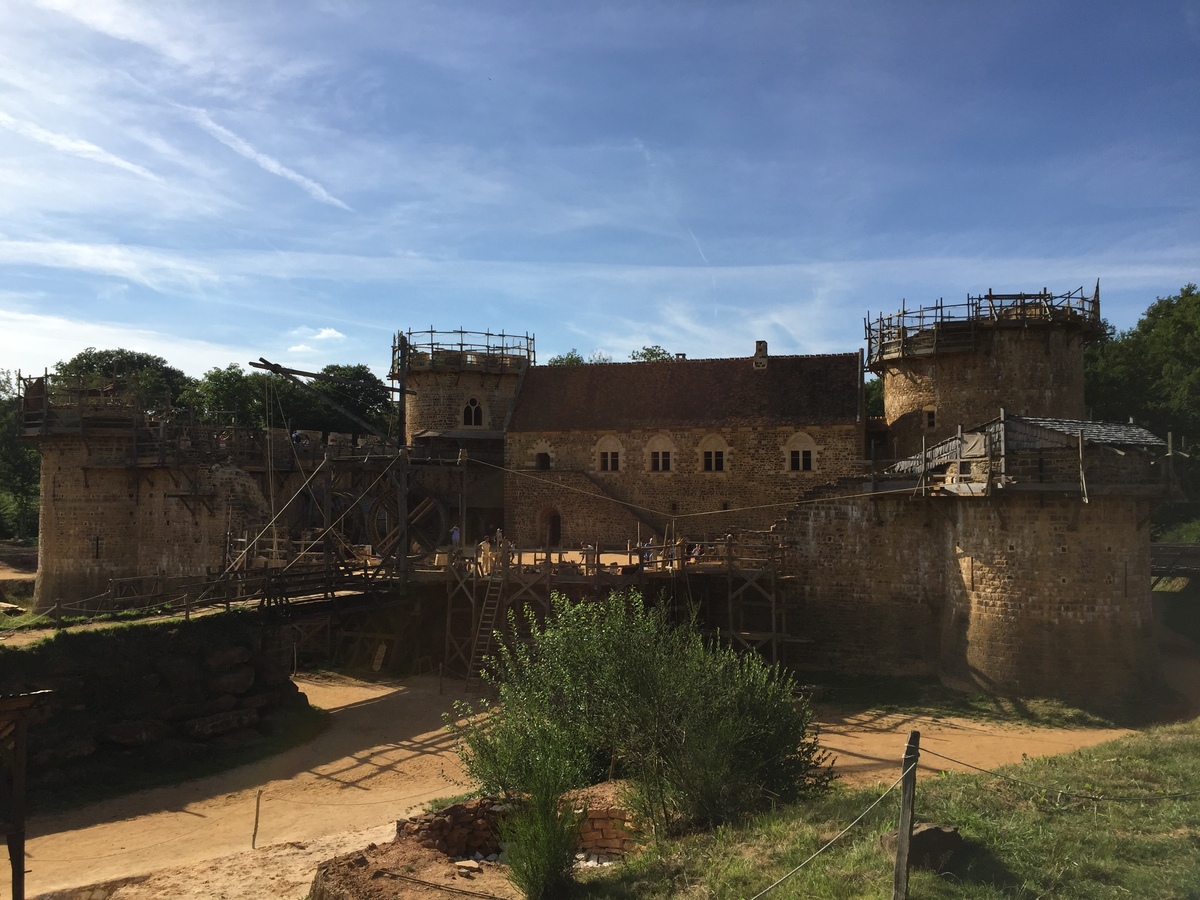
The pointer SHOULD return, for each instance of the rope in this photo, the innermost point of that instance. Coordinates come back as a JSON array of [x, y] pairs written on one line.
[[788, 504], [836, 837], [1146, 798]]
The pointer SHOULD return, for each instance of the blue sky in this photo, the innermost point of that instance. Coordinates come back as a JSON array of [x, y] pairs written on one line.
[[219, 181]]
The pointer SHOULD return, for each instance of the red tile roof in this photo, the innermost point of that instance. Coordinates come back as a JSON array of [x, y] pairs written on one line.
[[815, 390]]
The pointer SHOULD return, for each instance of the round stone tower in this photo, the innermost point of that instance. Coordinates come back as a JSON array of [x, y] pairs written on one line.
[[949, 365]]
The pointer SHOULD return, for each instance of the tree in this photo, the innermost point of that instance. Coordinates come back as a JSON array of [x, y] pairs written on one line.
[[653, 353], [1151, 373], [151, 378], [873, 397], [20, 468], [571, 358], [359, 391], [226, 396]]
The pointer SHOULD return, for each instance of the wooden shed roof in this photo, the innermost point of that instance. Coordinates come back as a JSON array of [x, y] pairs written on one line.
[[791, 390]]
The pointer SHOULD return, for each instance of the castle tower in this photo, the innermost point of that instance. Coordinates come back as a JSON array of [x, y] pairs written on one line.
[[460, 384], [945, 366], [460, 388]]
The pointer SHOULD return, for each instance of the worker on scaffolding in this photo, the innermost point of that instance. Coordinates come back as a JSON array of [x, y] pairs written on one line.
[[485, 557]]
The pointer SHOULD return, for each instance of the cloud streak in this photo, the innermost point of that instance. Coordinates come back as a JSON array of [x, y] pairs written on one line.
[[152, 268], [73, 146], [274, 166]]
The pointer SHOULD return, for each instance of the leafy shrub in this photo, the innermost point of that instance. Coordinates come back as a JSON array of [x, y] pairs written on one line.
[[705, 735]]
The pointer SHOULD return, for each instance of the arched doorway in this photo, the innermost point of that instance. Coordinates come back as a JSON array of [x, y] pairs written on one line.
[[549, 529]]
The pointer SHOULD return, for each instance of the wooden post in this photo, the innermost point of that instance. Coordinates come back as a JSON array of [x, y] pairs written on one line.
[[908, 794], [257, 806]]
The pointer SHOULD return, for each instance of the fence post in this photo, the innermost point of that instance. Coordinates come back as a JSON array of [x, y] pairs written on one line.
[[908, 794]]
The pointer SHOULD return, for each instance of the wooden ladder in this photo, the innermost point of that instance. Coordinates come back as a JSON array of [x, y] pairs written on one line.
[[483, 634]]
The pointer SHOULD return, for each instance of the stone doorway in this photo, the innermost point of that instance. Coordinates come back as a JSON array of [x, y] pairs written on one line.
[[549, 528]]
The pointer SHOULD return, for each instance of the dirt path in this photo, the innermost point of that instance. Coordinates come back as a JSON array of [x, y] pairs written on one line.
[[384, 755]]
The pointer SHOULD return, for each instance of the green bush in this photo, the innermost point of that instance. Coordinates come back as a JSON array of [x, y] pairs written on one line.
[[704, 734]]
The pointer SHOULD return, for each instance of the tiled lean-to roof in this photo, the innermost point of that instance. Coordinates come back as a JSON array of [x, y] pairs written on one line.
[[790, 390]]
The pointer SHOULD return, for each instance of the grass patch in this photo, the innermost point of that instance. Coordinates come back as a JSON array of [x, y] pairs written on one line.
[[928, 697], [1023, 842], [115, 775]]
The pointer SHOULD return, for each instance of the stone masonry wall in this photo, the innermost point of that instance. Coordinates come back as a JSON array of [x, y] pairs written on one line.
[[1034, 372], [1050, 596], [756, 484], [101, 519], [869, 582], [1027, 594], [441, 395]]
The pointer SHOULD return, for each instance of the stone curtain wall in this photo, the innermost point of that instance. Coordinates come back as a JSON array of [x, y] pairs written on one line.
[[88, 530], [1032, 372], [869, 581], [101, 519], [755, 475], [1051, 596], [1028, 594]]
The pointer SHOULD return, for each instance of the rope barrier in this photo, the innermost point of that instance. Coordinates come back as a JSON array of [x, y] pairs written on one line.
[[836, 837]]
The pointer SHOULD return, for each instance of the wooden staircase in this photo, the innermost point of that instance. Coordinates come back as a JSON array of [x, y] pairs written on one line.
[[486, 629]]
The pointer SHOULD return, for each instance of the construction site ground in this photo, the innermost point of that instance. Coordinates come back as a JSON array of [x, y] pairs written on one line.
[[384, 756]]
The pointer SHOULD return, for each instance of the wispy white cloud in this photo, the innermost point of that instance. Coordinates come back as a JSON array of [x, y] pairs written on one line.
[[74, 146], [153, 268], [326, 334], [300, 348], [274, 166], [34, 341]]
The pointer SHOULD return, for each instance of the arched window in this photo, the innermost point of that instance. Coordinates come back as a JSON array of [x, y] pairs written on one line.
[[714, 454], [473, 414], [800, 453], [660, 454], [609, 454]]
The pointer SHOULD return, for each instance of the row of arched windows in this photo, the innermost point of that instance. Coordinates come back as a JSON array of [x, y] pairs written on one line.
[[713, 454]]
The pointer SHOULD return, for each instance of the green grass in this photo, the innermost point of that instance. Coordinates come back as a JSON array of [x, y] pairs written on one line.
[[928, 697], [1024, 842]]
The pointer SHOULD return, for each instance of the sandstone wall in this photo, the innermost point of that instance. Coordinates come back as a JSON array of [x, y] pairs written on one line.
[[1036, 372], [441, 396], [755, 486], [1050, 596], [103, 519], [1028, 594]]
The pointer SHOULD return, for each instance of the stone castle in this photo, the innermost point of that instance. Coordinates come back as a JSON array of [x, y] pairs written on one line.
[[984, 530]]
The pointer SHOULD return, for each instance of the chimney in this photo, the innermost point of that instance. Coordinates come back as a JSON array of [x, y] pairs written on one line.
[[760, 354]]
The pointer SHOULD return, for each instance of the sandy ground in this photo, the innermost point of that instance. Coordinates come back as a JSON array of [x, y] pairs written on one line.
[[384, 755]]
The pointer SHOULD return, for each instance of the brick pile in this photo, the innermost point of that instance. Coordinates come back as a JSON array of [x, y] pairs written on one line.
[[607, 831], [462, 829]]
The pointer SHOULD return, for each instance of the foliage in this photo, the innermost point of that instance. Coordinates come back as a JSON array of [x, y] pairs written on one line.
[[1022, 841], [704, 734], [1152, 373], [258, 399], [571, 358], [20, 468], [540, 830], [227, 396], [574, 358], [873, 399], [150, 376], [653, 353]]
